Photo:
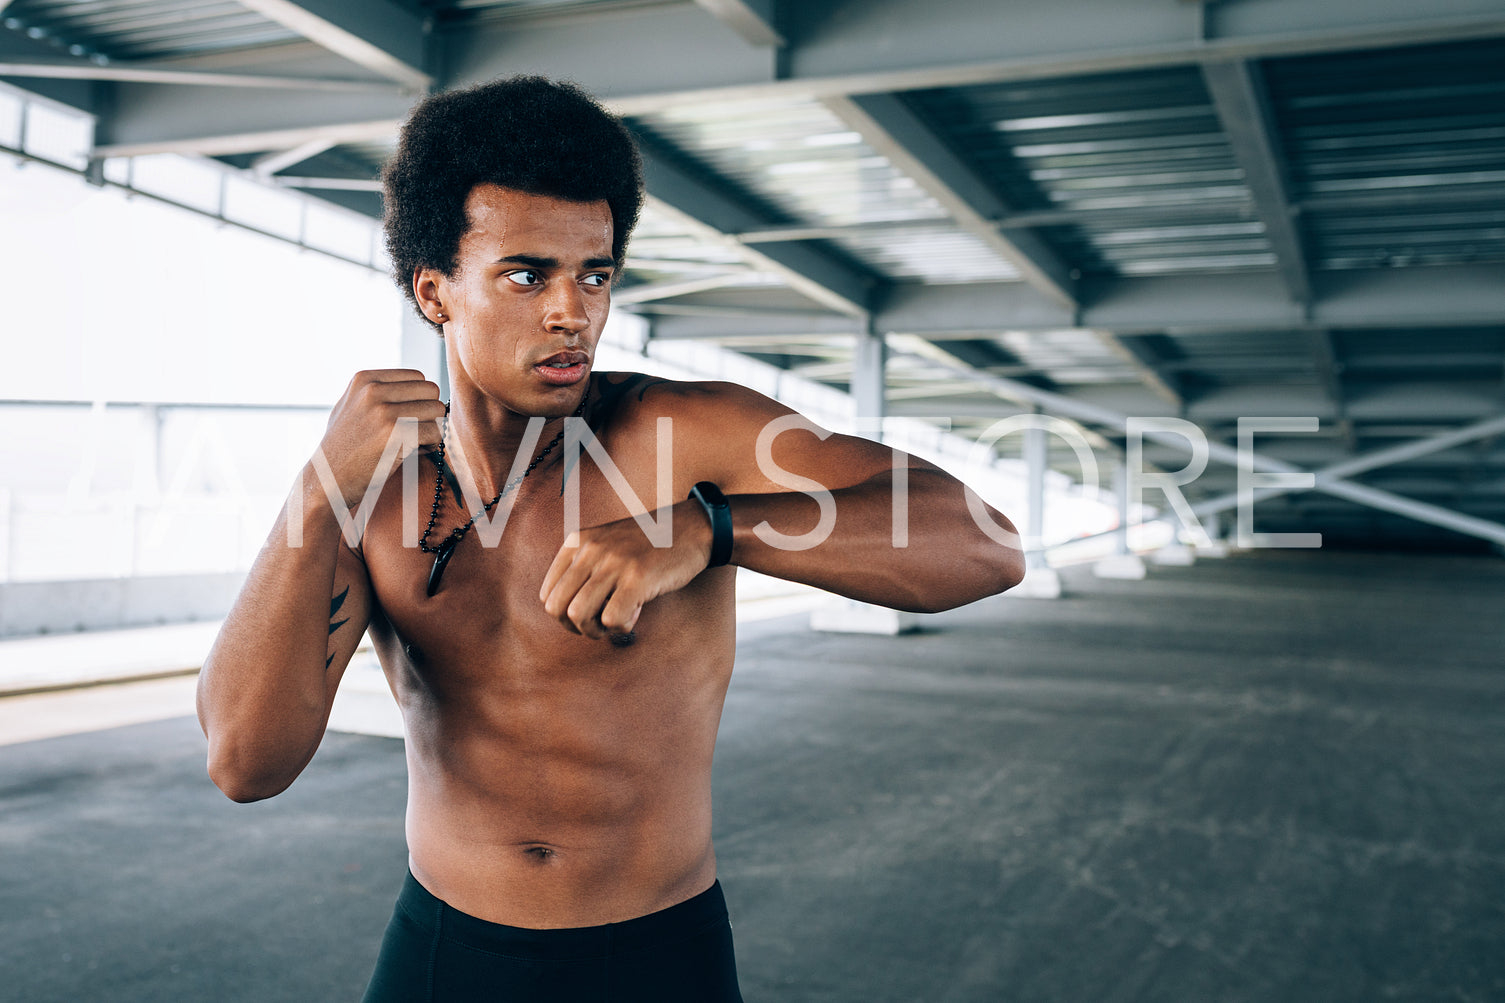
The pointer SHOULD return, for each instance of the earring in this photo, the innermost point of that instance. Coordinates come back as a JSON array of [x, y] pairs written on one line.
[[440, 318]]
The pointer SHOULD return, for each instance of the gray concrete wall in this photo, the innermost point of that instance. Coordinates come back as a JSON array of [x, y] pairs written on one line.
[[108, 603]]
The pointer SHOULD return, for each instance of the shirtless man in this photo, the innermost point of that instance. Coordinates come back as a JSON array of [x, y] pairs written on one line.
[[560, 690]]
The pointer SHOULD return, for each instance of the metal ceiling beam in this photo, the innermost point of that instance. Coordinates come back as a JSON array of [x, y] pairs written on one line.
[[1329, 368], [754, 20], [1330, 378], [897, 134], [1429, 197], [1387, 457], [330, 184], [255, 142], [377, 34], [659, 50], [1220, 210], [881, 46], [1068, 407], [1331, 480], [216, 215], [1379, 299], [651, 291], [683, 323], [169, 118], [269, 164], [1430, 360], [714, 213], [19, 47], [795, 232], [300, 52], [1238, 93], [147, 73], [1153, 372]]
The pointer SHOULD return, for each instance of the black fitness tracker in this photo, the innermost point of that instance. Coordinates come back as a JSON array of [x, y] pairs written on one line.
[[720, 513]]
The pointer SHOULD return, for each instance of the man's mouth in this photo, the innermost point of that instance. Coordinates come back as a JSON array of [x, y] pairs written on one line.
[[563, 368]]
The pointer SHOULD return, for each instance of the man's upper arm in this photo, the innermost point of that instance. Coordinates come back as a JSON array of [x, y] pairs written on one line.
[[759, 446]]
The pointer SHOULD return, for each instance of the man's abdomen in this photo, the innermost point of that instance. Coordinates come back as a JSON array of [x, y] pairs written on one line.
[[555, 805]]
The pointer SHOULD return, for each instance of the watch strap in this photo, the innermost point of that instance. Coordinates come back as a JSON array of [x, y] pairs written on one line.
[[719, 511]]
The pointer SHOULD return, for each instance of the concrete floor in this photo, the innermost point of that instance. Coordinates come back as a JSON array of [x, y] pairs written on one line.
[[1279, 777]]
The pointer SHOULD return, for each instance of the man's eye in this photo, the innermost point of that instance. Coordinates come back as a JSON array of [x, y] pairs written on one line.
[[523, 277], [596, 280]]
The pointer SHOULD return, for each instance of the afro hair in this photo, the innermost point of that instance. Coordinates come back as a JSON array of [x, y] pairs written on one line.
[[529, 134]]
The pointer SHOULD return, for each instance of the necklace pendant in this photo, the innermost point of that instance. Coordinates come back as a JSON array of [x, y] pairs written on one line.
[[441, 558]]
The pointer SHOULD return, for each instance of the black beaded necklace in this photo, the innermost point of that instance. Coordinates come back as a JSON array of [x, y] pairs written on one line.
[[445, 550]]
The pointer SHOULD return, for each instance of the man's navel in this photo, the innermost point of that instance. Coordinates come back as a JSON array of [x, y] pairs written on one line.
[[540, 853]]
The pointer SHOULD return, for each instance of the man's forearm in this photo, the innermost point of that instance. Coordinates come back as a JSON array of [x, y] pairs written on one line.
[[264, 691], [849, 547]]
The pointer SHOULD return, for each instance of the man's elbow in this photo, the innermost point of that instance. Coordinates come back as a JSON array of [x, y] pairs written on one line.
[[999, 557], [994, 579], [1008, 570], [996, 568], [243, 783], [245, 790], [243, 795], [976, 576]]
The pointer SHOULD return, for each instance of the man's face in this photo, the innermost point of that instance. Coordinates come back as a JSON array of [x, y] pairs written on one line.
[[529, 298]]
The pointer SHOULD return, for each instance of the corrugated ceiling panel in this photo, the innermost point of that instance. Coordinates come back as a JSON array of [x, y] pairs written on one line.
[[1232, 357], [799, 159], [1397, 157], [535, 8], [661, 244], [1140, 156], [1070, 356], [138, 29]]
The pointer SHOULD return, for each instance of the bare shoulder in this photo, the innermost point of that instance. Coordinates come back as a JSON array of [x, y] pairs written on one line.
[[742, 440], [629, 399], [714, 425]]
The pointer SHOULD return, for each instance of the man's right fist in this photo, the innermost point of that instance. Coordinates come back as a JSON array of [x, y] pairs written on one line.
[[378, 404]]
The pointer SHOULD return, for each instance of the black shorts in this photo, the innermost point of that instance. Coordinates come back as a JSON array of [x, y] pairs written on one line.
[[433, 953]]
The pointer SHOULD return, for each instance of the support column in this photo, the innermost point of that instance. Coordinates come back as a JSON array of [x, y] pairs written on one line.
[[1123, 563], [1035, 453], [1218, 544], [1040, 580], [869, 382], [868, 387]]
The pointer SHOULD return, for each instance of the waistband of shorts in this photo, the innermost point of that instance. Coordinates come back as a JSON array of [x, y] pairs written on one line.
[[678, 922]]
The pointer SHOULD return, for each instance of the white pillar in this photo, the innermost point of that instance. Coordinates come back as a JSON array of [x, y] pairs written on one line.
[[1216, 546], [1035, 454], [1123, 563], [869, 381], [1040, 580], [869, 363], [1121, 497]]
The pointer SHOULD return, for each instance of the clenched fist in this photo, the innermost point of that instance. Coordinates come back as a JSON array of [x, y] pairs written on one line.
[[372, 410], [602, 576]]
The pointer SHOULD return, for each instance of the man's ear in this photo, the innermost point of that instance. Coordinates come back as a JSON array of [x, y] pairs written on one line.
[[430, 288]]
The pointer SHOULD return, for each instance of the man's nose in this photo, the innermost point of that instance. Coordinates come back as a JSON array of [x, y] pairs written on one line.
[[566, 309]]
